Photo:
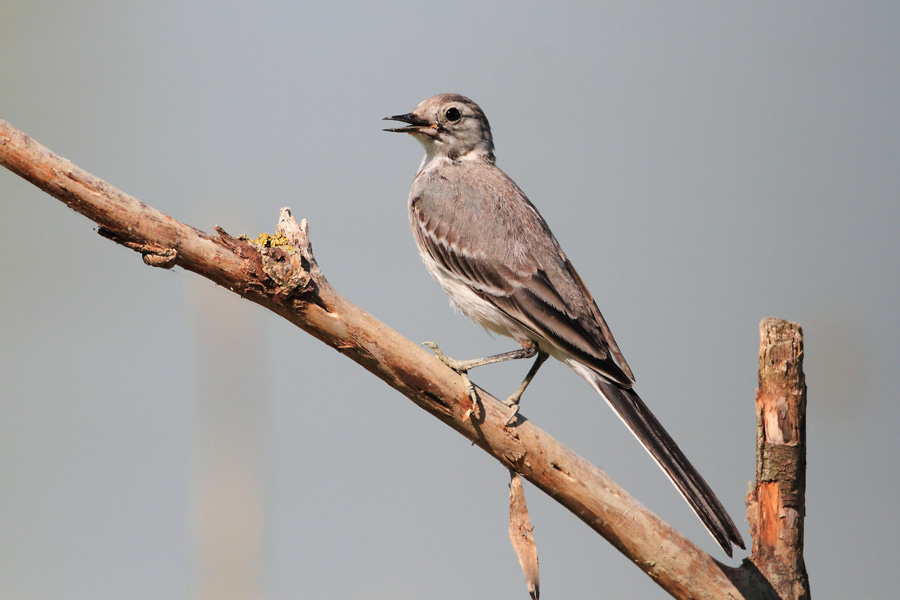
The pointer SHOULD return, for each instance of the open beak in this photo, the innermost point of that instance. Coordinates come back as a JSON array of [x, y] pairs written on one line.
[[416, 124]]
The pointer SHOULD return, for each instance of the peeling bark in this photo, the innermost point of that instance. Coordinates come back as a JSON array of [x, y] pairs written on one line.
[[776, 507]]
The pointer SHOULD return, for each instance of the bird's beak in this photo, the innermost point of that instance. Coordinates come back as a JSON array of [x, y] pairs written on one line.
[[416, 124]]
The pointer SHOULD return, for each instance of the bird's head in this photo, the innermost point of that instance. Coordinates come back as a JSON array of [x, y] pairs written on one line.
[[449, 125]]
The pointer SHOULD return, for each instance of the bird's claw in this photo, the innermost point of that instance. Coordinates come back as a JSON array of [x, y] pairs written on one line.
[[513, 403], [461, 367], [453, 364]]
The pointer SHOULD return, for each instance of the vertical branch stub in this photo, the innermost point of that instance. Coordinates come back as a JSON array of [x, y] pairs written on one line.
[[776, 505]]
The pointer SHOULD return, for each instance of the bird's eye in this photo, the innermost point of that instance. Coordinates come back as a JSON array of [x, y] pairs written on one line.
[[453, 115]]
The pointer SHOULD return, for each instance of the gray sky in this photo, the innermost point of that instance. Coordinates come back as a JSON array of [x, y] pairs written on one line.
[[703, 166]]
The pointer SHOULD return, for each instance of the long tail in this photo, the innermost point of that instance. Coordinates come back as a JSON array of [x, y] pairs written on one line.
[[648, 430]]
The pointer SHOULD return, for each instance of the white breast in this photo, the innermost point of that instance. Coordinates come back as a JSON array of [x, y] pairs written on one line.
[[465, 300]]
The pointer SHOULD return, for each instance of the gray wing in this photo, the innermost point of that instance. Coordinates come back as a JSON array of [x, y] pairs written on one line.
[[479, 226]]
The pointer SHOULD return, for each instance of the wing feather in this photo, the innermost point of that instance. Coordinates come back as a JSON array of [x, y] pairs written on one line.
[[536, 288]]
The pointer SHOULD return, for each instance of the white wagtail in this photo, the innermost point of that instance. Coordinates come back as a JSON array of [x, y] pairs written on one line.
[[486, 244]]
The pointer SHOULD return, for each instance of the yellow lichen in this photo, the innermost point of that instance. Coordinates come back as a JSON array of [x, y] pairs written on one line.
[[267, 240]]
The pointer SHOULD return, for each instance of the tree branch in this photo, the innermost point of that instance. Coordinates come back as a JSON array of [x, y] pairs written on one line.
[[287, 281], [777, 505]]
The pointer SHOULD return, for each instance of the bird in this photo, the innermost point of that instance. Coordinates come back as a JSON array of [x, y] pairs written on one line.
[[494, 255]]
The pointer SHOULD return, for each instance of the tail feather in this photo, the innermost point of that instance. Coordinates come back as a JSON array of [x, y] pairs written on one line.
[[650, 433]]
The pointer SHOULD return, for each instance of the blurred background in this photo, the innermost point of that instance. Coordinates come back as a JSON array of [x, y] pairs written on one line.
[[704, 166]]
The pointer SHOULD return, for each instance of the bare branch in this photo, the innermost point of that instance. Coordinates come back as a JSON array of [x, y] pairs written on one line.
[[286, 280]]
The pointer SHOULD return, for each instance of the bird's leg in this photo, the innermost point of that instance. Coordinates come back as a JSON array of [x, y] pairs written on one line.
[[513, 401], [462, 366], [528, 350]]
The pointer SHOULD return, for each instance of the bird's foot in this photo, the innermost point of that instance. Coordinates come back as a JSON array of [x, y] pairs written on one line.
[[462, 367], [513, 403]]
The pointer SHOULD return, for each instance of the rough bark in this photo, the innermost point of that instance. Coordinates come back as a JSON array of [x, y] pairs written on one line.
[[286, 280], [776, 506]]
